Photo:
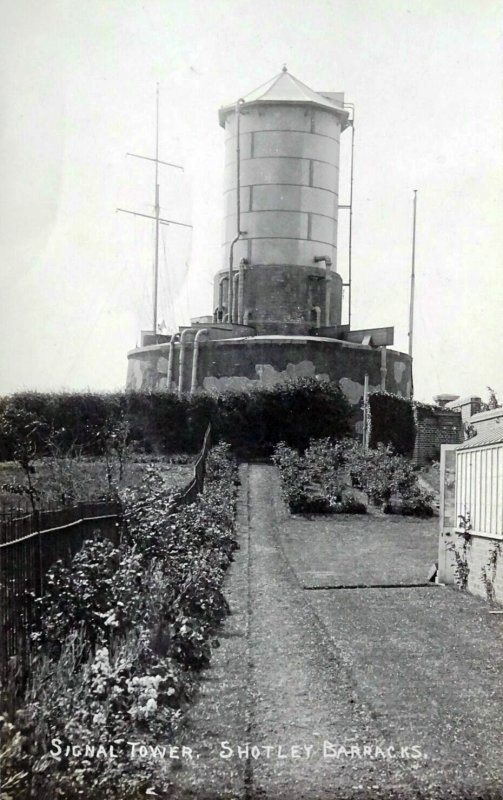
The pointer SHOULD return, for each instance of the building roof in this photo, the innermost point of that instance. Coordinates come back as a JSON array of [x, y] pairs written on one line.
[[285, 88], [493, 435], [462, 401], [494, 417]]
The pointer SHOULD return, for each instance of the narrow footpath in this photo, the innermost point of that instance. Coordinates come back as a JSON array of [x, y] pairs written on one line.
[[331, 693]]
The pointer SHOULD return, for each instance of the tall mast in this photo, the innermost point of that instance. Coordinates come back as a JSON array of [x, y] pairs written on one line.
[[412, 276], [157, 210]]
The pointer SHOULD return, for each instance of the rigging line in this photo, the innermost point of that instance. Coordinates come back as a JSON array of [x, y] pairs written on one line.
[[145, 278], [154, 267], [145, 284], [135, 295], [163, 285], [162, 288], [164, 280], [430, 352], [94, 324], [139, 299]]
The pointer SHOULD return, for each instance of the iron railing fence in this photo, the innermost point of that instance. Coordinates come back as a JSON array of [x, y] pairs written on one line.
[[14, 526], [24, 564], [32, 543]]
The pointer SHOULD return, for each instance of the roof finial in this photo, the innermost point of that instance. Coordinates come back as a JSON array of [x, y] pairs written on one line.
[[284, 69]]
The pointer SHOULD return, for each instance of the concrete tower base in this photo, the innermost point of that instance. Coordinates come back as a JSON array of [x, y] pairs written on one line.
[[250, 361]]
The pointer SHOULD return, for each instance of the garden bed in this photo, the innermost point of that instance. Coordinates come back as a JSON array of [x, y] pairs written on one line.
[[124, 633], [331, 475]]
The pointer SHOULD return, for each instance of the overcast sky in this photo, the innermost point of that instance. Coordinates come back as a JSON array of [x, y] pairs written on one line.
[[77, 92]]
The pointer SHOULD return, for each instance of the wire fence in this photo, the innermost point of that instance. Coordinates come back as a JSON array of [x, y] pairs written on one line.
[[32, 543]]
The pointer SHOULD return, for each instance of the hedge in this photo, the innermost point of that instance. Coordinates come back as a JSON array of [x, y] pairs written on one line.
[[392, 421], [253, 422]]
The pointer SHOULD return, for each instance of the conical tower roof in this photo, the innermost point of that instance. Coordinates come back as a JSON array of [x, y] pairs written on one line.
[[285, 88]]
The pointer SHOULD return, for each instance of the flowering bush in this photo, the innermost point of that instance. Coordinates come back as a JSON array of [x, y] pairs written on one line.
[[386, 476], [320, 480], [315, 481], [99, 591], [417, 502]]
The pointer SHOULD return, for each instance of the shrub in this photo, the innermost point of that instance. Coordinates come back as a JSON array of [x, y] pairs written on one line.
[[389, 476], [317, 481], [417, 502], [350, 505], [314, 482]]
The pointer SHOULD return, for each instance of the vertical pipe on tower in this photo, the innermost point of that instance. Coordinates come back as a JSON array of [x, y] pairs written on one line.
[[195, 358], [221, 296], [351, 182], [171, 358], [235, 311], [181, 360], [317, 311], [327, 299], [241, 287], [238, 201], [384, 369], [328, 264]]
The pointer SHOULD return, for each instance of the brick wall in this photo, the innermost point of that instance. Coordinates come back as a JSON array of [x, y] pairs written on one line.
[[436, 427]]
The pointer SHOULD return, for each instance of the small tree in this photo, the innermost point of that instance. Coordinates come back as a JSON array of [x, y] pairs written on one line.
[[23, 430], [111, 439], [492, 403]]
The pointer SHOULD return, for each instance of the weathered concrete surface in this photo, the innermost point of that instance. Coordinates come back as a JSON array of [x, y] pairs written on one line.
[[388, 668], [240, 363]]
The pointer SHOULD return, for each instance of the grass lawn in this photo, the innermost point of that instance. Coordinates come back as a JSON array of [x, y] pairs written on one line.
[[353, 549]]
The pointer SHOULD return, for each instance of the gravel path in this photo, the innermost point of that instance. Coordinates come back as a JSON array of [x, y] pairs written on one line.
[[328, 686]]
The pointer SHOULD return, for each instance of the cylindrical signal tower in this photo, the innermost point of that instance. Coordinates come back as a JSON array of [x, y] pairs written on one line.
[[284, 263]]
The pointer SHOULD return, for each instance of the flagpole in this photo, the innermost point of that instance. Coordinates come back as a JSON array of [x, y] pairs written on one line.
[[412, 277]]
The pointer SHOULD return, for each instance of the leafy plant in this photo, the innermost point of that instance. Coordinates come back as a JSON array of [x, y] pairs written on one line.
[[488, 573], [461, 567]]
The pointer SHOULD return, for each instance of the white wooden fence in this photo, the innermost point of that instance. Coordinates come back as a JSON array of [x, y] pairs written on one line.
[[479, 488]]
